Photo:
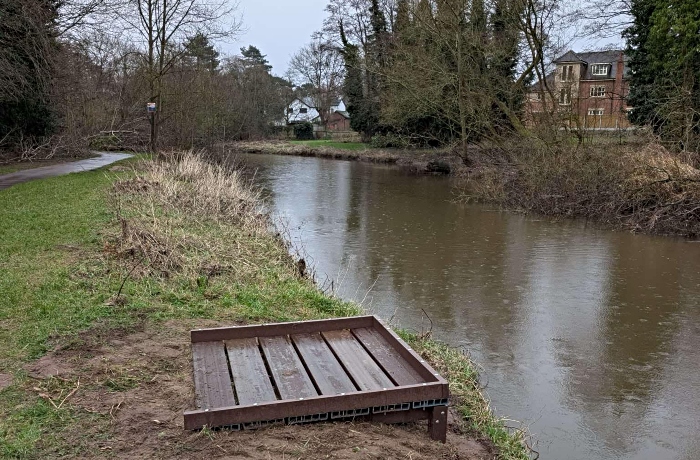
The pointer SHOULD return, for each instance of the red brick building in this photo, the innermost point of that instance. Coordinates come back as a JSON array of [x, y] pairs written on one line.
[[589, 89], [339, 121]]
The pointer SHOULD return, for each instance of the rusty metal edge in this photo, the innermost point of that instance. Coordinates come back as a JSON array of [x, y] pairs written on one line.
[[279, 409], [414, 359], [274, 329]]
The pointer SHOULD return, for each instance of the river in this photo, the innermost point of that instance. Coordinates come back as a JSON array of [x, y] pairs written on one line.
[[589, 338]]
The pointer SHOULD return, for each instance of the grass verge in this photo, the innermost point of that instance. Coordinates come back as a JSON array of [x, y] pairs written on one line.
[[91, 256]]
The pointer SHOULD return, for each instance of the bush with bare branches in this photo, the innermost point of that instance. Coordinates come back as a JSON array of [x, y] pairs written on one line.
[[643, 189]]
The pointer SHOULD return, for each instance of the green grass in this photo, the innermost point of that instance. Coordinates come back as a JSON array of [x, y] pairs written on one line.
[[467, 397], [59, 267], [333, 144]]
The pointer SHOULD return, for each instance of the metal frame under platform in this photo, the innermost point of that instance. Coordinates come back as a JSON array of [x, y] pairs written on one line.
[[309, 371]]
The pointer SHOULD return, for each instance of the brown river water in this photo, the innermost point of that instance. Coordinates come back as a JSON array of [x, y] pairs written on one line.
[[589, 338]]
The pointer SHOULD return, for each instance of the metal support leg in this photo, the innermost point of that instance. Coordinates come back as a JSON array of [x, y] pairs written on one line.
[[437, 423]]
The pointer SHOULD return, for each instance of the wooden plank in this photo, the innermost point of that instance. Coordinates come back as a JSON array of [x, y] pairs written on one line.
[[287, 369], [315, 405], [249, 372], [271, 330], [388, 358], [359, 364], [325, 370], [411, 357], [212, 382]]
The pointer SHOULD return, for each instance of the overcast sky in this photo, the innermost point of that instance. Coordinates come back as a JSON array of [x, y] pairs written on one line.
[[278, 28]]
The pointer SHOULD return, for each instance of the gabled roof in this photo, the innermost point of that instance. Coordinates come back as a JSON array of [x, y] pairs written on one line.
[[569, 56], [307, 101], [343, 113], [610, 57]]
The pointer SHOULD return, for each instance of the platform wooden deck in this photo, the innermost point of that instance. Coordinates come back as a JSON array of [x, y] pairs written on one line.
[[310, 371]]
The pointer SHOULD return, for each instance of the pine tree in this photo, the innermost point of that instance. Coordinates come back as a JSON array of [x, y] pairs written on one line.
[[364, 114], [504, 58], [253, 56], [200, 53], [641, 77], [403, 18], [664, 48]]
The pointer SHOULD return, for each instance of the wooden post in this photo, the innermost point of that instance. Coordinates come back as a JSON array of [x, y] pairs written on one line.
[[437, 423]]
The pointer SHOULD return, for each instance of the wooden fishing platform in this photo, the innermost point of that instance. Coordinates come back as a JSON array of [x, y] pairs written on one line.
[[249, 376]]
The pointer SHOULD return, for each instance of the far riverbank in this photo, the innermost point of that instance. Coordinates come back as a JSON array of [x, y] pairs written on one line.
[[641, 188]]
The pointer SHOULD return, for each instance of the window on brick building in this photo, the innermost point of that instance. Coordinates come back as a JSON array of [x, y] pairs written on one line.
[[595, 111], [597, 91]]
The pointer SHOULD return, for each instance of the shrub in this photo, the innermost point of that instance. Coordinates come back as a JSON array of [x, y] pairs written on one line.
[[645, 189], [304, 131], [389, 140]]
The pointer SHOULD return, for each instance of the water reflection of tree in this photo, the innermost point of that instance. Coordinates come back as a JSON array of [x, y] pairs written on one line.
[[433, 255], [616, 380]]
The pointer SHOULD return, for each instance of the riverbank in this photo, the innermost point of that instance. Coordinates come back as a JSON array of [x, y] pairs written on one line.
[[639, 187], [96, 310], [438, 161], [642, 188]]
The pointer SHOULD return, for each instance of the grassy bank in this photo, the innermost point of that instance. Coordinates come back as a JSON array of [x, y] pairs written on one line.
[[638, 187], [440, 161], [102, 275]]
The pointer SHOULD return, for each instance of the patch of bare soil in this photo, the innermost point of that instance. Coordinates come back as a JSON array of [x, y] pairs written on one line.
[[5, 381], [131, 388]]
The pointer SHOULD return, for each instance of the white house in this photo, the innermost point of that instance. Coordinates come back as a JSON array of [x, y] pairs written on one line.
[[338, 106], [303, 109]]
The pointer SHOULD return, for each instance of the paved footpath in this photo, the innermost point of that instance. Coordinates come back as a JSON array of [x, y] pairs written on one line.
[[104, 159]]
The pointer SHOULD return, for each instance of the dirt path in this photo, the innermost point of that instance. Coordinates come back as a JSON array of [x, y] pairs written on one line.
[[103, 159]]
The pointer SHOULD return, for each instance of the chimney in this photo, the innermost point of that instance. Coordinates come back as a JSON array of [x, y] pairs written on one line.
[[620, 67], [619, 89]]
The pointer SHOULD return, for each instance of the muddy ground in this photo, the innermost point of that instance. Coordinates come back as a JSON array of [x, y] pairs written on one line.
[[127, 390]]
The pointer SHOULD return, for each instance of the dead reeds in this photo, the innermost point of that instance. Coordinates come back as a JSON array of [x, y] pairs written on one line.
[[186, 216], [640, 188]]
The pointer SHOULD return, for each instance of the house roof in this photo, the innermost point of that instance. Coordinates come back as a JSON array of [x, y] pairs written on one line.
[[307, 101], [587, 58], [343, 113], [569, 56]]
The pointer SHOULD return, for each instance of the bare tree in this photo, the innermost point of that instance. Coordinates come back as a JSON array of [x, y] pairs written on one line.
[[162, 26], [320, 65], [75, 17]]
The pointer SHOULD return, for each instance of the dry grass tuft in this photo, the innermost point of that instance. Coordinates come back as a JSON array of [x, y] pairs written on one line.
[[643, 189], [188, 216]]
